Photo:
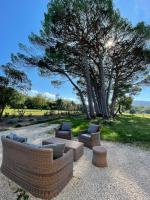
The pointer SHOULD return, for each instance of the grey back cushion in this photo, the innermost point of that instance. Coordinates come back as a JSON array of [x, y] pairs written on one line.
[[10, 136], [93, 128], [66, 126], [58, 149], [17, 138]]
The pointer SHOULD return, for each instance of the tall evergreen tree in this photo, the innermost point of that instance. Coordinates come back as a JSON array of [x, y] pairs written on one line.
[[89, 42]]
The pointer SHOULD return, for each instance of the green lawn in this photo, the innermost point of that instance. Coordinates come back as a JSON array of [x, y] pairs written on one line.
[[27, 112], [33, 112], [126, 128]]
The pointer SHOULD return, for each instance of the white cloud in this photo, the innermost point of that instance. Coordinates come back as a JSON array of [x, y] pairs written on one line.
[[33, 93], [46, 94], [71, 99], [52, 96], [49, 95]]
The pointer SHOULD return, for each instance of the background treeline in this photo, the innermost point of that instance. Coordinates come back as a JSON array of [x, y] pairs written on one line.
[[40, 102], [140, 110]]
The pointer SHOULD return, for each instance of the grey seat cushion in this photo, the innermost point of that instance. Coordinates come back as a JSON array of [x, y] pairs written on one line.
[[66, 126], [35, 145], [16, 138], [93, 128], [58, 149], [63, 132], [85, 136]]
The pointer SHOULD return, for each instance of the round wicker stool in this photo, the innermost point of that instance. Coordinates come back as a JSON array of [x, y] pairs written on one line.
[[99, 156]]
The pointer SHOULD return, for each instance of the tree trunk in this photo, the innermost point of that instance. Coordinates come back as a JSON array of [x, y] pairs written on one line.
[[88, 87], [97, 96], [113, 105], [96, 106], [102, 92], [114, 98], [109, 86], [84, 106], [2, 111]]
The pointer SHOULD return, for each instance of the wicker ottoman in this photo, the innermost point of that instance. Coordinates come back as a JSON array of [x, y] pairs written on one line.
[[99, 156]]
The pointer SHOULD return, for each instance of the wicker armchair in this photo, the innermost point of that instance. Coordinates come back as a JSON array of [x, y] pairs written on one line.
[[34, 168], [90, 137], [64, 131]]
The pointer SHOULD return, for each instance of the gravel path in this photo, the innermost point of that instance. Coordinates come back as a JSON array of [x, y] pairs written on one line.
[[126, 178]]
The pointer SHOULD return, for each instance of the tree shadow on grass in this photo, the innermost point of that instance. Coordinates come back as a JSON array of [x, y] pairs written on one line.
[[128, 129]]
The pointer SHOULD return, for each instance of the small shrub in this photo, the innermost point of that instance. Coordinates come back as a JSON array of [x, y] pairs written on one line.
[[21, 113], [147, 111], [18, 125], [30, 115], [132, 111], [20, 120], [6, 114], [46, 114], [13, 115], [31, 119], [12, 121], [21, 194]]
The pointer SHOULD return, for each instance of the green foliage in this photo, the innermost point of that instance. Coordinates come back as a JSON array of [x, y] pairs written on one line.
[[17, 100], [143, 29], [6, 94], [21, 194], [132, 111], [11, 80], [18, 126], [59, 104], [126, 102], [39, 102]]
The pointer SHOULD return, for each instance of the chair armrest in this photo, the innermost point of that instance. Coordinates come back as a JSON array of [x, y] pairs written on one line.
[[82, 132], [95, 138], [95, 135], [70, 134], [70, 131], [56, 130]]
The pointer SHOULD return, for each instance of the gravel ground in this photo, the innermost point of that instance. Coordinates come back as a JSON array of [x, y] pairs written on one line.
[[126, 178]]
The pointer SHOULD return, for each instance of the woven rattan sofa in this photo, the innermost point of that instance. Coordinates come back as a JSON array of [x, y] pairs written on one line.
[[89, 138], [34, 168]]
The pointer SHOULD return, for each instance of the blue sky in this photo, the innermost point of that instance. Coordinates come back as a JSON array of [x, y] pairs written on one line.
[[19, 18]]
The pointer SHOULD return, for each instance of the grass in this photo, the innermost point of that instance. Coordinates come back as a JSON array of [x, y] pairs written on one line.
[[128, 129], [34, 112], [134, 129], [27, 112]]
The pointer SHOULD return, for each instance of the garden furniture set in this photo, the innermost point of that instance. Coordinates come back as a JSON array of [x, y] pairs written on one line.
[[44, 170]]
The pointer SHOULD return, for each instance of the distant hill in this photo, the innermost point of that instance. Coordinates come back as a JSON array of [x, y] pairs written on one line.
[[141, 103]]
